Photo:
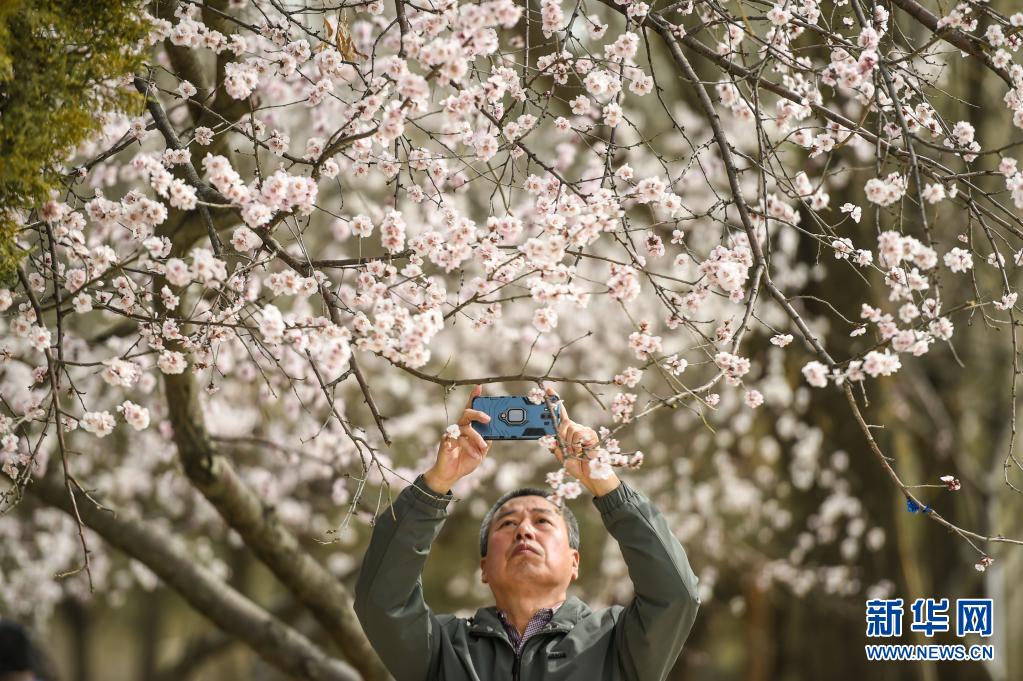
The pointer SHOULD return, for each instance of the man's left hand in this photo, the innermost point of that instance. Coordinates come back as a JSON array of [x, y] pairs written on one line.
[[581, 442]]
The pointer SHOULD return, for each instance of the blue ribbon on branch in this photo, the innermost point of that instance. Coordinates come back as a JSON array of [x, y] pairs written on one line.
[[914, 507]]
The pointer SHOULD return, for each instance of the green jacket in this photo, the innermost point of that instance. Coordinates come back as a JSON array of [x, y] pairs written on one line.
[[639, 642]]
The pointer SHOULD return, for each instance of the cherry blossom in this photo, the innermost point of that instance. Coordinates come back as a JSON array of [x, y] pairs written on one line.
[[99, 423]]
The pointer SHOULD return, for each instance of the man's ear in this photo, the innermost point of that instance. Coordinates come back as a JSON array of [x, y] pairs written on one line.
[[575, 563], [483, 569]]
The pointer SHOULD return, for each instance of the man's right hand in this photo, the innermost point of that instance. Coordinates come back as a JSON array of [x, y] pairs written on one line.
[[457, 457]]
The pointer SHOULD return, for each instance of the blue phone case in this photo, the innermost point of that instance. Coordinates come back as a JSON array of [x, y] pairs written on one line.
[[514, 417]]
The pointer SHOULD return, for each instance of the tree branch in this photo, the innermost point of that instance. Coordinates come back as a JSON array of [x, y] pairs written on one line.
[[186, 65], [274, 641], [205, 647], [956, 38], [328, 601]]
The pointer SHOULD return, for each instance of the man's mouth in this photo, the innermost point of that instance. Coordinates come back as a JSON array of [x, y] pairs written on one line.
[[523, 548]]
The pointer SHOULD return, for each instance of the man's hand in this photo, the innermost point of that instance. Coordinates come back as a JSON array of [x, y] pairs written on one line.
[[457, 457], [581, 443]]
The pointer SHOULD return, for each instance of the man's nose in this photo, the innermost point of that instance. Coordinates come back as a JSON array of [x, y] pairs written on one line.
[[524, 531]]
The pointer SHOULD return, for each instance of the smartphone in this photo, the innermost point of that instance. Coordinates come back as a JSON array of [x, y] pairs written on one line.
[[513, 417]]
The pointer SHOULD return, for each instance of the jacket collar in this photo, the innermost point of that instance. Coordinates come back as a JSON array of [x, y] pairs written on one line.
[[487, 623]]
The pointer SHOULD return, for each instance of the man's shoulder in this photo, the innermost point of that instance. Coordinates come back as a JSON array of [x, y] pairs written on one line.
[[448, 620], [602, 616]]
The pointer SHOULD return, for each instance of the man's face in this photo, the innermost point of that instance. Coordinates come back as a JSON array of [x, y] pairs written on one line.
[[528, 547]]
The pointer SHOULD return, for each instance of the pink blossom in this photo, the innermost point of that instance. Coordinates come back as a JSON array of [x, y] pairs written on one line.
[[171, 362], [571, 489], [649, 190], [240, 79], [779, 16], [676, 365], [600, 469], [612, 114], [941, 328], [623, 284], [271, 324], [843, 248], [244, 239], [887, 191], [958, 260], [119, 372], [630, 377], [137, 417], [278, 143], [816, 374], [1006, 301], [552, 17], [182, 196], [39, 337], [727, 268], [99, 423], [545, 319], [933, 193], [733, 366], [622, 406], [644, 344], [881, 363], [623, 48], [82, 303], [362, 225], [392, 231], [203, 136]]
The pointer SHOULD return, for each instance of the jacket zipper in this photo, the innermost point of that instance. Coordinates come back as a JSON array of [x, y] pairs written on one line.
[[518, 656], [516, 664]]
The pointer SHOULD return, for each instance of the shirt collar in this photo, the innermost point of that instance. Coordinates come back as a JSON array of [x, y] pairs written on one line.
[[553, 609], [486, 621]]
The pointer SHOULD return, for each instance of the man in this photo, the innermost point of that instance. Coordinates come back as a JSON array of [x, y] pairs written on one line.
[[530, 555]]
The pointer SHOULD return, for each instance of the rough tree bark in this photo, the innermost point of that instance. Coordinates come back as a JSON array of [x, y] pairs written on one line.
[[274, 641]]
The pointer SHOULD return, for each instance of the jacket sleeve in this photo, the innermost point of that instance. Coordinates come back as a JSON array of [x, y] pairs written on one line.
[[389, 592], [651, 630]]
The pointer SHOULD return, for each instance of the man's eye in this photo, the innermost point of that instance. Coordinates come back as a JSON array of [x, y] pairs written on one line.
[[544, 520], [506, 522]]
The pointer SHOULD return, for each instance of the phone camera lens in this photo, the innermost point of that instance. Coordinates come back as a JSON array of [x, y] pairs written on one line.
[[514, 416]]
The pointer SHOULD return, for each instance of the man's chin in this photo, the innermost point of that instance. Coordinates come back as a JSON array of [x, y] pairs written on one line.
[[530, 562]]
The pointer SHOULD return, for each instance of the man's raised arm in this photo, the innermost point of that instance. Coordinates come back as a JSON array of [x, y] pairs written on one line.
[[650, 632], [389, 592]]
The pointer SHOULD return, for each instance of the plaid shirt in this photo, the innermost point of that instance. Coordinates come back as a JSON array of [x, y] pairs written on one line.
[[537, 622]]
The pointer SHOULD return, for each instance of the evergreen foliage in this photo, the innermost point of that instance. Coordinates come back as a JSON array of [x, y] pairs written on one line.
[[62, 64]]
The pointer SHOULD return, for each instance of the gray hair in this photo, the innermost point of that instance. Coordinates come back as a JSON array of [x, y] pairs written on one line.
[[570, 522]]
